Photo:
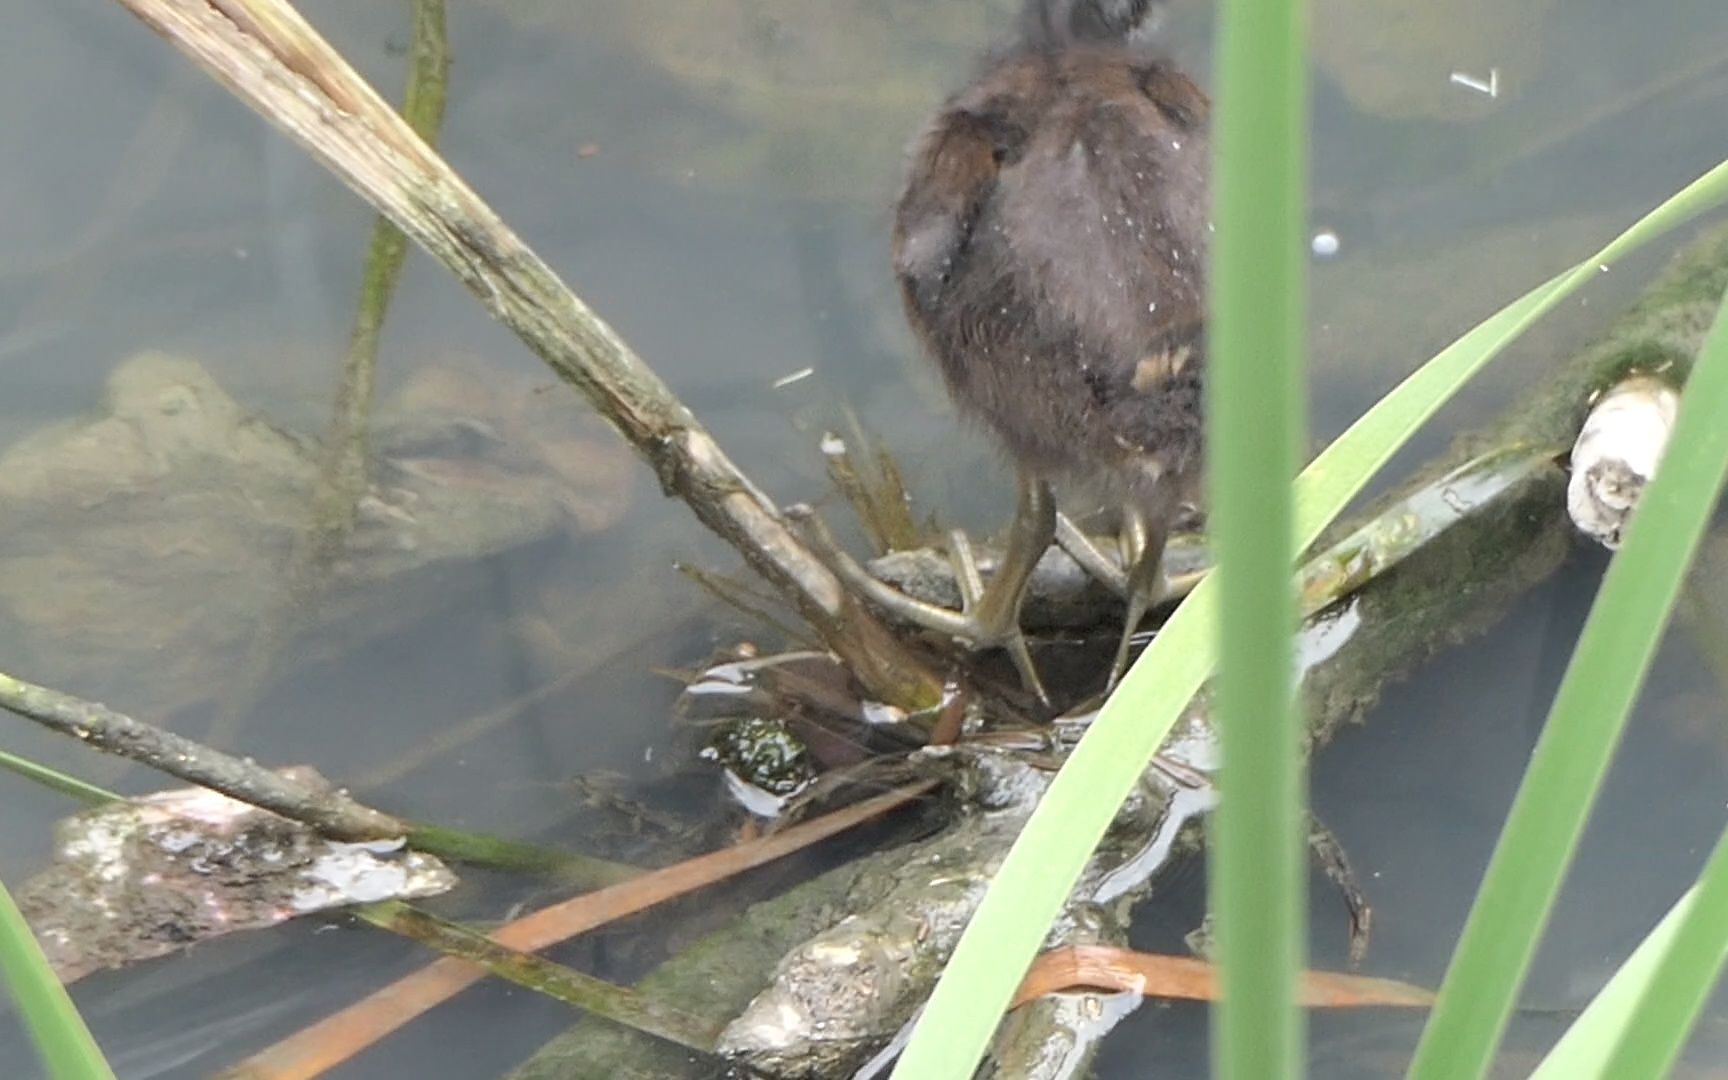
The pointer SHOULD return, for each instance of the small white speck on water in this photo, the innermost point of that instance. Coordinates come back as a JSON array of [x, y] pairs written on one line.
[[832, 444], [1152, 307], [1602, 267], [1489, 86], [1175, 144], [1325, 244], [797, 376]]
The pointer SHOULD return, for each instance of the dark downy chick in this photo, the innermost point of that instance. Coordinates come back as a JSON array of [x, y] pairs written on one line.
[[1050, 245]]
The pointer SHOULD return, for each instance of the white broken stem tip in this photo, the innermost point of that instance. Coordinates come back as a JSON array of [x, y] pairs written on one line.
[[1616, 454]]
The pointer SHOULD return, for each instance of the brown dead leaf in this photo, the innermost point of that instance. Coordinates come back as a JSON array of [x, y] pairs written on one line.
[[1103, 967]]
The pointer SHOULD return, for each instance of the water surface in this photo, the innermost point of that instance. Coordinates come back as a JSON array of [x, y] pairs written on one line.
[[685, 169]]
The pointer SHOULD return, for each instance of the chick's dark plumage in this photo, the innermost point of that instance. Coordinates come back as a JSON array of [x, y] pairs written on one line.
[[1050, 246]]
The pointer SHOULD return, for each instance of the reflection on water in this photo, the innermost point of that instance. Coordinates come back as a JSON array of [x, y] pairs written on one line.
[[714, 177], [159, 540]]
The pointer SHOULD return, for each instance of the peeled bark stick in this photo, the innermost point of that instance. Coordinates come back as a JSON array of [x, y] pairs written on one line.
[[333, 814], [270, 58]]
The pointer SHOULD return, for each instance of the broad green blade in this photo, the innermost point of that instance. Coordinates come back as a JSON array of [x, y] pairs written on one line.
[[1335, 477], [63, 1042], [1254, 408], [1583, 727], [1046, 860]]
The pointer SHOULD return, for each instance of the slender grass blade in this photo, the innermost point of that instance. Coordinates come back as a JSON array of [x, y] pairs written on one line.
[[1255, 420], [67, 1050]]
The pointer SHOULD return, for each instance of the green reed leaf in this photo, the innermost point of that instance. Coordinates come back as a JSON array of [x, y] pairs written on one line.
[[63, 1042], [1046, 860], [1583, 728]]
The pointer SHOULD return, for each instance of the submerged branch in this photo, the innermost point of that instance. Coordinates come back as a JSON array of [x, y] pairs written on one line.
[[342, 472], [616, 1003]]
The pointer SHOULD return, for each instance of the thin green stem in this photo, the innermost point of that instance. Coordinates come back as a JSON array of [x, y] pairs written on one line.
[[1255, 426]]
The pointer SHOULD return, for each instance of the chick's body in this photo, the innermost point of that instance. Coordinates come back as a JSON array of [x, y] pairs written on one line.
[[1050, 246]]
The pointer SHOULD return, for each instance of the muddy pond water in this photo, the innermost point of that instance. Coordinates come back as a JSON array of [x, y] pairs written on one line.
[[714, 178]]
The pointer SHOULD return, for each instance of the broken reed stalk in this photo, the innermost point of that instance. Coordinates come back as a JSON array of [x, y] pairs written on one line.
[[270, 58]]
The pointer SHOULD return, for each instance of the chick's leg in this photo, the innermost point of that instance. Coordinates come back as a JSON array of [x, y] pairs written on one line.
[[1144, 533]]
